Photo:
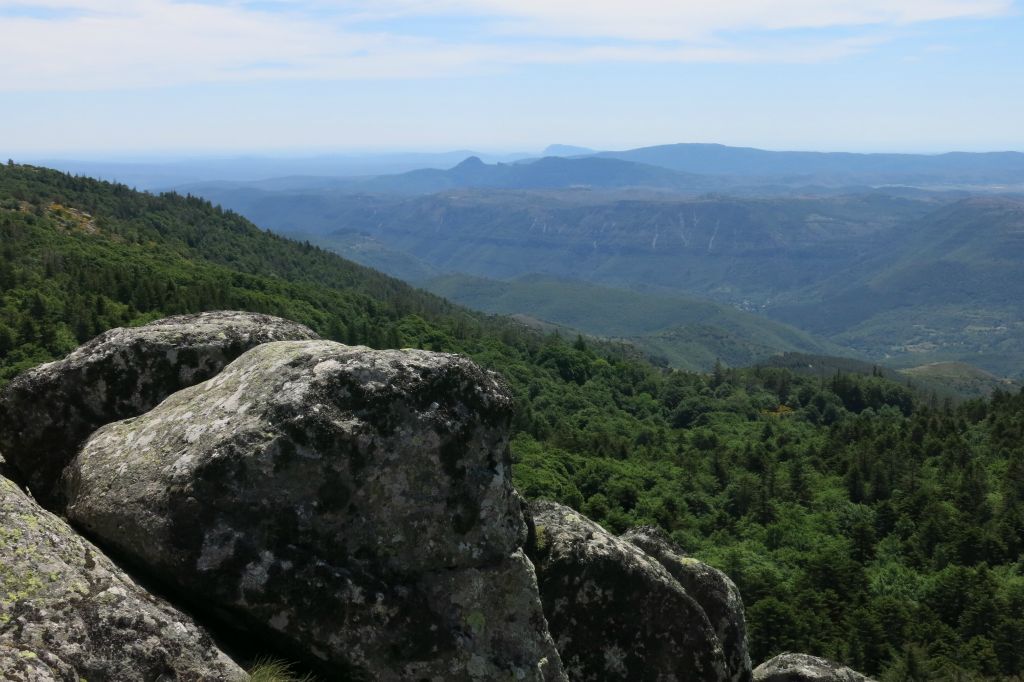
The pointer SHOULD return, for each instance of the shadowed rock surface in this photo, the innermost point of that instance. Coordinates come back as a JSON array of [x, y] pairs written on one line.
[[804, 668], [712, 589], [6, 470], [614, 612], [68, 613], [356, 503], [47, 412]]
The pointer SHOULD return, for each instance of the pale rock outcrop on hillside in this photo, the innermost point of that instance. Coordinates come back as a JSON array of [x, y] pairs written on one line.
[[790, 667]]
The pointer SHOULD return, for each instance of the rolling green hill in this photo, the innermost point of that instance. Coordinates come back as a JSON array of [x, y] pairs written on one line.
[[962, 379], [686, 332], [947, 287]]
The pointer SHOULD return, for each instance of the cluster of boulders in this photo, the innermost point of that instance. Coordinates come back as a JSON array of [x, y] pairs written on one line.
[[347, 508]]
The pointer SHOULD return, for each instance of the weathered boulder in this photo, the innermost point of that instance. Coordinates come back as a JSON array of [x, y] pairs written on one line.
[[712, 589], [47, 412], [355, 503], [804, 668], [68, 613], [614, 612]]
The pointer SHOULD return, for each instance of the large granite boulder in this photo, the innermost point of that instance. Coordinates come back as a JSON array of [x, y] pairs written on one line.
[[712, 589], [47, 412], [68, 613], [804, 668], [355, 504], [615, 613]]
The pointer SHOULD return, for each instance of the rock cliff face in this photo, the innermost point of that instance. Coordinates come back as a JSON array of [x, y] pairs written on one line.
[[615, 612], [356, 502], [46, 413], [712, 589], [803, 668], [68, 613]]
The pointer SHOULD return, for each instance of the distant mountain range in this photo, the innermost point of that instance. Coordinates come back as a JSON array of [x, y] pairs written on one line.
[[550, 172], [910, 169], [161, 174], [567, 150], [725, 168], [682, 168]]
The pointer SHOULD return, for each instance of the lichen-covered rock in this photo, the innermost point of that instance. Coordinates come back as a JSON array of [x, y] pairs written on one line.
[[614, 612], [68, 613], [804, 668], [47, 412], [356, 503], [712, 589], [25, 665]]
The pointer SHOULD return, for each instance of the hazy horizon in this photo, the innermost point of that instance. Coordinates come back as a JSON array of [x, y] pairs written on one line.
[[199, 156]]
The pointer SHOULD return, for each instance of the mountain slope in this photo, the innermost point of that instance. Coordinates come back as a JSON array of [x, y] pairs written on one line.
[[550, 172], [686, 332], [947, 287], [962, 379], [997, 167], [728, 248], [79, 256]]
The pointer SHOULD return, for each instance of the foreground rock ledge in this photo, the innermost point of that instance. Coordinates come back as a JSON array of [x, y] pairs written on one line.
[[357, 503], [47, 412], [615, 612], [68, 613], [804, 668]]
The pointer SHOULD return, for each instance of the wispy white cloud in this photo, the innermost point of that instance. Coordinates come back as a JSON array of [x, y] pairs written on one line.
[[694, 19], [103, 44]]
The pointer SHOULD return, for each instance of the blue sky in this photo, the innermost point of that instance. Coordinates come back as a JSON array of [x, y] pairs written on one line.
[[184, 77]]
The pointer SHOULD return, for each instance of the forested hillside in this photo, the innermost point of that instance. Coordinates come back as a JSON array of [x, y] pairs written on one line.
[[860, 522], [687, 333]]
